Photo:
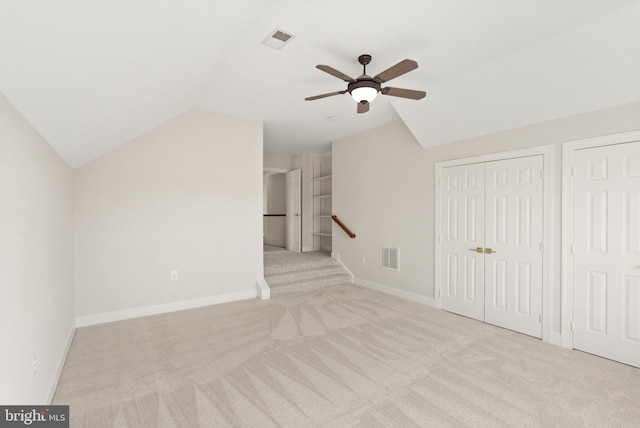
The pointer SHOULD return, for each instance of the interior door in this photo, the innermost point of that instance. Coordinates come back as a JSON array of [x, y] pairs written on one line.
[[461, 235], [491, 242], [606, 252], [294, 209], [513, 244]]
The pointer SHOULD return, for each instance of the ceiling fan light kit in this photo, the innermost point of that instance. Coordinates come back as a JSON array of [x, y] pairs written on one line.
[[364, 91], [365, 88]]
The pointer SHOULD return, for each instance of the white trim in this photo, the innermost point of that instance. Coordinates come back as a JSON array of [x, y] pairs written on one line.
[[424, 300], [270, 171], [556, 339], [336, 257], [520, 153], [163, 308], [58, 373], [568, 150], [546, 152], [262, 289], [437, 288]]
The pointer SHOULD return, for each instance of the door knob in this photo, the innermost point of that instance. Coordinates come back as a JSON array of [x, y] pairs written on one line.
[[477, 249], [489, 251]]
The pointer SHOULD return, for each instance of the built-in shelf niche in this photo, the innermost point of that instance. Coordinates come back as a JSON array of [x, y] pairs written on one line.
[[322, 200]]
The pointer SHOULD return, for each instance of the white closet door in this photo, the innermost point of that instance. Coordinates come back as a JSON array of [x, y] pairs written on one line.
[[462, 231], [513, 244], [294, 208], [606, 252]]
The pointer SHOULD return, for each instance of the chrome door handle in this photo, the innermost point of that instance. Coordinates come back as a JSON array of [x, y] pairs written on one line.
[[477, 249]]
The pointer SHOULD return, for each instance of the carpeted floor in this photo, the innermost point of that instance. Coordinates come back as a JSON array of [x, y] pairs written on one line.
[[341, 356], [287, 272], [278, 259]]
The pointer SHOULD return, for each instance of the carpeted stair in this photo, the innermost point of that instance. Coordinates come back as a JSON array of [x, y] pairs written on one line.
[[305, 276]]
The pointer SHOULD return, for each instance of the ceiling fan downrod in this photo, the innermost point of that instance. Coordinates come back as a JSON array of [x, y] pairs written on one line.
[[364, 60]]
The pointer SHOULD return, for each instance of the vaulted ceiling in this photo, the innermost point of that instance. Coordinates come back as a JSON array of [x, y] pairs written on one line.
[[91, 75]]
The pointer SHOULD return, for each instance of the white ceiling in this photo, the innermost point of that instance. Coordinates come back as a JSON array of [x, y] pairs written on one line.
[[91, 75]]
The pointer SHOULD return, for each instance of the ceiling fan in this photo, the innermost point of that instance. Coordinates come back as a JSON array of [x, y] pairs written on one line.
[[365, 88]]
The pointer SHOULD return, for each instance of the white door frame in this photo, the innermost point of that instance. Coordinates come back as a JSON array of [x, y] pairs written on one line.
[[547, 241], [568, 151]]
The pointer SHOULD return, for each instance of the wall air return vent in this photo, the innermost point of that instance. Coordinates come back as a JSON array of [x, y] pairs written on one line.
[[390, 258], [277, 39]]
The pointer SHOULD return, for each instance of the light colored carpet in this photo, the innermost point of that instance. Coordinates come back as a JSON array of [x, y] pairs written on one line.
[[278, 259], [287, 272], [341, 356]]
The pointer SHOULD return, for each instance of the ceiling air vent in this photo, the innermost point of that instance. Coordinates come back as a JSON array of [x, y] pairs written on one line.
[[277, 39], [390, 258]]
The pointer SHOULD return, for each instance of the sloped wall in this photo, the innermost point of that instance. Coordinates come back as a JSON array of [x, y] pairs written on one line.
[[185, 197]]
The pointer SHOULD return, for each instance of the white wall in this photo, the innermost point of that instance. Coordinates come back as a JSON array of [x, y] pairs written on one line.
[[36, 261], [186, 197], [383, 189], [381, 192], [280, 162], [276, 193]]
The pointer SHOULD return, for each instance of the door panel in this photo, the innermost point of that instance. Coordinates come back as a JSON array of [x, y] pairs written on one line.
[[631, 223], [631, 305], [498, 284], [523, 289], [513, 275], [462, 215], [606, 252]]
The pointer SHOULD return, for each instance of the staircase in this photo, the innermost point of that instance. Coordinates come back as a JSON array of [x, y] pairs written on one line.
[[305, 276]]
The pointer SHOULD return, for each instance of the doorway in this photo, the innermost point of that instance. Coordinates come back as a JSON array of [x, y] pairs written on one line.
[[282, 219], [274, 209]]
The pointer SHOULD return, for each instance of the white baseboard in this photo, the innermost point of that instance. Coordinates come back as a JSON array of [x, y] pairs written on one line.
[[428, 301], [164, 308], [63, 359], [336, 256], [263, 289]]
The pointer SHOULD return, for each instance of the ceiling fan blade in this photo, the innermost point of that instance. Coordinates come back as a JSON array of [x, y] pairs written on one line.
[[332, 71], [399, 69], [330, 94], [404, 93], [363, 106]]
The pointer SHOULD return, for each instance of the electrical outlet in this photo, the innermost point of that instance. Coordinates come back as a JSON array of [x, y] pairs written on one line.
[[174, 275], [34, 365]]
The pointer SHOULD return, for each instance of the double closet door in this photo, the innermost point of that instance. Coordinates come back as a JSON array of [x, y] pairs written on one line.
[[491, 242]]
